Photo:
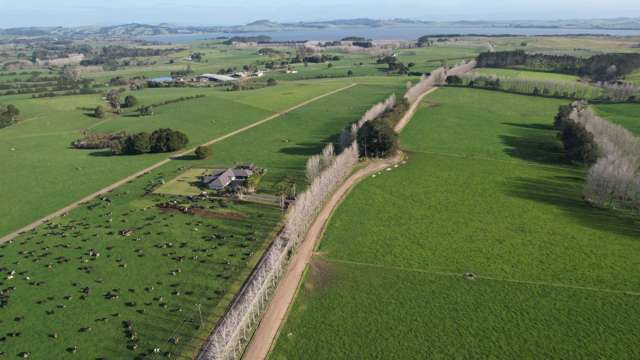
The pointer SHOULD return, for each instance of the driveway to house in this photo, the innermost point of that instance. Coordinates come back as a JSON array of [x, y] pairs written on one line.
[[119, 183], [273, 318]]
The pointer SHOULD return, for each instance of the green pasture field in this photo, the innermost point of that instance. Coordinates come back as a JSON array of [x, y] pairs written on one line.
[[534, 75], [40, 143], [186, 184], [282, 147], [486, 191], [174, 261], [78, 280], [584, 46], [627, 115]]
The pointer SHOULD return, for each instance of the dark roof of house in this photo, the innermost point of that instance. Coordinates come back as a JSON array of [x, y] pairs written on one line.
[[221, 178]]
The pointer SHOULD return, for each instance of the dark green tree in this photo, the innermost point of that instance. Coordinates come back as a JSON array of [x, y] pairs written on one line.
[[137, 144], [203, 152], [99, 112], [377, 139], [130, 101], [579, 144], [167, 140]]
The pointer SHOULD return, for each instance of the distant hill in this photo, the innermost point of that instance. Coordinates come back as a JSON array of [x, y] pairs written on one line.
[[136, 30]]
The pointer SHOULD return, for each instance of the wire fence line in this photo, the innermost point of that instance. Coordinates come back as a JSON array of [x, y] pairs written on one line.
[[234, 329]]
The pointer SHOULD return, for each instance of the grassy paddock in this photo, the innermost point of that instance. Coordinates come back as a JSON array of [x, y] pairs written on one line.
[[535, 75], [157, 276], [39, 144], [486, 190], [627, 115]]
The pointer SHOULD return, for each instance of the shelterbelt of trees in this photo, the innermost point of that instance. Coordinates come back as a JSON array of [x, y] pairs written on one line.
[[611, 152], [604, 67]]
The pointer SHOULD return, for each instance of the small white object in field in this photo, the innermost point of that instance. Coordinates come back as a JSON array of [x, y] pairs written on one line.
[[389, 169], [13, 149], [395, 166], [374, 175]]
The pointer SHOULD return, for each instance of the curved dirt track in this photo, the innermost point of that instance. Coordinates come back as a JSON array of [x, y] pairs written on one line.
[[273, 318], [121, 182]]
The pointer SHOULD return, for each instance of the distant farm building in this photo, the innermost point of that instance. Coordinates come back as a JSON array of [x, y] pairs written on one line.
[[161, 80], [232, 178], [215, 77]]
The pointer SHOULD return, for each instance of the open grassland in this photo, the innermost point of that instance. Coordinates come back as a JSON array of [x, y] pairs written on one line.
[[523, 74], [578, 46], [45, 174], [64, 295], [627, 115], [486, 190]]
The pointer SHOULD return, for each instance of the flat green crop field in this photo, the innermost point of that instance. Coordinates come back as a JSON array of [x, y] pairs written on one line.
[[45, 174], [486, 191], [627, 115], [634, 77], [157, 276], [534, 75]]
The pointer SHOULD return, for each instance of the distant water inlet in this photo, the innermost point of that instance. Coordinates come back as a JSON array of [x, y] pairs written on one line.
[[390, 33]]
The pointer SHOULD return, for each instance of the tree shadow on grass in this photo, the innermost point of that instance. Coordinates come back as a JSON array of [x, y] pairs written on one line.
[[102, 153], [535, 143], [565, 192], [531, 126]]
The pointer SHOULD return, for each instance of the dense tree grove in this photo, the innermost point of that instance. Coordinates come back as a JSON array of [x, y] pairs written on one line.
[[603, 67], [579, 144], [377, 139], [159, 141], [110, 54], [8, 115]]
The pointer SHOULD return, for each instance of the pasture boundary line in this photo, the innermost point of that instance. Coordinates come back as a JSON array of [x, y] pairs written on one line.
[[148, 169], [490, 278]]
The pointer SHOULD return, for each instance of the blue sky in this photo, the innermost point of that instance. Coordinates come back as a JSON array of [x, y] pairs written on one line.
[[233, 12]]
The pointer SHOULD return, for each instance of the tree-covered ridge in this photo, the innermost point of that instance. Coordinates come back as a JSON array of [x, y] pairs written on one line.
[[604, 67]]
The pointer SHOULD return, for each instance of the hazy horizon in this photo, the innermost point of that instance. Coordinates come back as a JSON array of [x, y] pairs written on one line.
[[201, 12]]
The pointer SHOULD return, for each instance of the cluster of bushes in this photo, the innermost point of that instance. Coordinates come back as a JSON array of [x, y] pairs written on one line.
[[159, 141], [98, 141], [314, 59], [579, 144], [148, 110], [8, 115], [603, 67], [395, 66]]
